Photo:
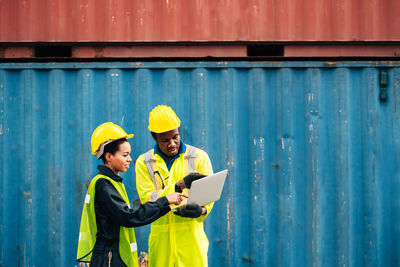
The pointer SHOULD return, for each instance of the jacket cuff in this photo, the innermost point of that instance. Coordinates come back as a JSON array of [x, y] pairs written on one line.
[[162, 202]]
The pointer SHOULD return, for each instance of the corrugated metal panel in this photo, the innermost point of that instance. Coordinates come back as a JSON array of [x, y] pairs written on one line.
[[174, 20], [313, 155]]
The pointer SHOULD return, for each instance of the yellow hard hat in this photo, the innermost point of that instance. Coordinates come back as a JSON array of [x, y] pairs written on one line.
[[106, 133], [163, 119]]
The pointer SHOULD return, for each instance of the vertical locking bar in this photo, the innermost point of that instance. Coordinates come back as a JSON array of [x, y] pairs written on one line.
[[383, 84]]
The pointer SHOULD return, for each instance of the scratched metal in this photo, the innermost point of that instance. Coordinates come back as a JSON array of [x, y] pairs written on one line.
[[312, 153]]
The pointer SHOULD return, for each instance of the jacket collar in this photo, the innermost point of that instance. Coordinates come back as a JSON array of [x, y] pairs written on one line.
[[182, 149], [109, 173]]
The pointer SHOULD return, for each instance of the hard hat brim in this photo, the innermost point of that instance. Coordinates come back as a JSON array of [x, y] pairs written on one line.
[[127, 137], [163, 130]]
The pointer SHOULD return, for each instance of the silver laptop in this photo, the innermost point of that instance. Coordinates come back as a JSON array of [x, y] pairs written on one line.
[[207, 189]]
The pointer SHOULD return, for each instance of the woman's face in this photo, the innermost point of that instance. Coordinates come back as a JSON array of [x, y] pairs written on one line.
[[119, 162]]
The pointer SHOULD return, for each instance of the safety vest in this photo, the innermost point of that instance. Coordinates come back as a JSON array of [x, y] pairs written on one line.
[[157, 179], [88, 229]]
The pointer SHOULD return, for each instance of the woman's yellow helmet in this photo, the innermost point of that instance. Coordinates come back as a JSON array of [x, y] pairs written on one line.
[[106, 133]]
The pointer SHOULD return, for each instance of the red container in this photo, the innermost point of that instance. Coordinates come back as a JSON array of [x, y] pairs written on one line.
[[199, 20]]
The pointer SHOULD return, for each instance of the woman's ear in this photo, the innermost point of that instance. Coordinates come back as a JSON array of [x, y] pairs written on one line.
[[107, 156]]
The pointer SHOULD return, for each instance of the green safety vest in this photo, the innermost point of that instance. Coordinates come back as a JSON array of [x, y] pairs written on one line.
[[88, 229]]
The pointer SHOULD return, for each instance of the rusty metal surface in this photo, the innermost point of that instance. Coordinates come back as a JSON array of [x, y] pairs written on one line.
[[199, 51], [342, 51], [198, 21], [146, 51], [311, 148]]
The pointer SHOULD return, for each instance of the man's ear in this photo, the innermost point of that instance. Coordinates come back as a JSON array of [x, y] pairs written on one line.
[[154, 135]]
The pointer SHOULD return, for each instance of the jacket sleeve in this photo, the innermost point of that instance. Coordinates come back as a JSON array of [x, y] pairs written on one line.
[[145, 186], [203, 166], [115, 207]]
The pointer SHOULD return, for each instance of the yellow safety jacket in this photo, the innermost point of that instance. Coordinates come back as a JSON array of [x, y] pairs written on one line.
[[88, 229], [174, 240]]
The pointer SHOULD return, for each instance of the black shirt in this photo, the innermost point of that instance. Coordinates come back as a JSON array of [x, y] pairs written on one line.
[[112, 211]]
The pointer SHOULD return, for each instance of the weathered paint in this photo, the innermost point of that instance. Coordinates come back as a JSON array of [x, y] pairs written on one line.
[[175, 51], [312, 154], [227, 50], [342, 50], [198, 21]]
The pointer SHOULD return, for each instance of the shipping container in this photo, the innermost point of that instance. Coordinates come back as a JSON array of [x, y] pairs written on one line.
[[199, 21], [312, 150]]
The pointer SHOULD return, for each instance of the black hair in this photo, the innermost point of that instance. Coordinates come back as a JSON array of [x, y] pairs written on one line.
[[112, 148]]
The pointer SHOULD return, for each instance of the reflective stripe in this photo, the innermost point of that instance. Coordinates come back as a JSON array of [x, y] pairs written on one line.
[[87, 199], [191, 167], [151, 162], [133, 247], [148, 160], [191, 155], [80, 235], [154, 195]]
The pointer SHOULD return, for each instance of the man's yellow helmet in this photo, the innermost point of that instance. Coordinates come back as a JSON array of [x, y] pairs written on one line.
[[163, 119], [106, 133]]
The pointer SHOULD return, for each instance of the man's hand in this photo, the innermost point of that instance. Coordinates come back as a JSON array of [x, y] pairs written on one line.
[[186, 182], [191, 177], [191, 210]]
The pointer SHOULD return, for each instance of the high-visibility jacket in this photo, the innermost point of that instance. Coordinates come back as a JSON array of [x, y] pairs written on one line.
[[174, 240], [88, 229]]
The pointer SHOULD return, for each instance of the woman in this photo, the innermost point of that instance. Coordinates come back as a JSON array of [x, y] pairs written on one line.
[[106, 235]]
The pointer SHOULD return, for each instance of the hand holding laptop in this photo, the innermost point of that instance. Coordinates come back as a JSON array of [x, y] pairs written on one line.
[[191, 210], [187, 181], [205, 190]]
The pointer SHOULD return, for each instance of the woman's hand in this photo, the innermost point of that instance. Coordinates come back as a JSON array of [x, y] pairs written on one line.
[[176, 198]]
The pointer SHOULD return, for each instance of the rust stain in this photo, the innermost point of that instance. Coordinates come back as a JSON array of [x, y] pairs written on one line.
[[247, 259], [330, 63], [98, 51], [136, 202]]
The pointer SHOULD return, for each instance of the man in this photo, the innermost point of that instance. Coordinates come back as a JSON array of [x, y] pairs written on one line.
[[177, 239]]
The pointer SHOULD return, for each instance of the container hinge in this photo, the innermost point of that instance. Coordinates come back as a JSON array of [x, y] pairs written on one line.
[[383, 84]]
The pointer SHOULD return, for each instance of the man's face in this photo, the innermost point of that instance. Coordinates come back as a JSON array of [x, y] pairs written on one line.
[[169, 142]]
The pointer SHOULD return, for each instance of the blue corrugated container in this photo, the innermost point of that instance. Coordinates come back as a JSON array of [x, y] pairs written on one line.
[[312, 151]]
